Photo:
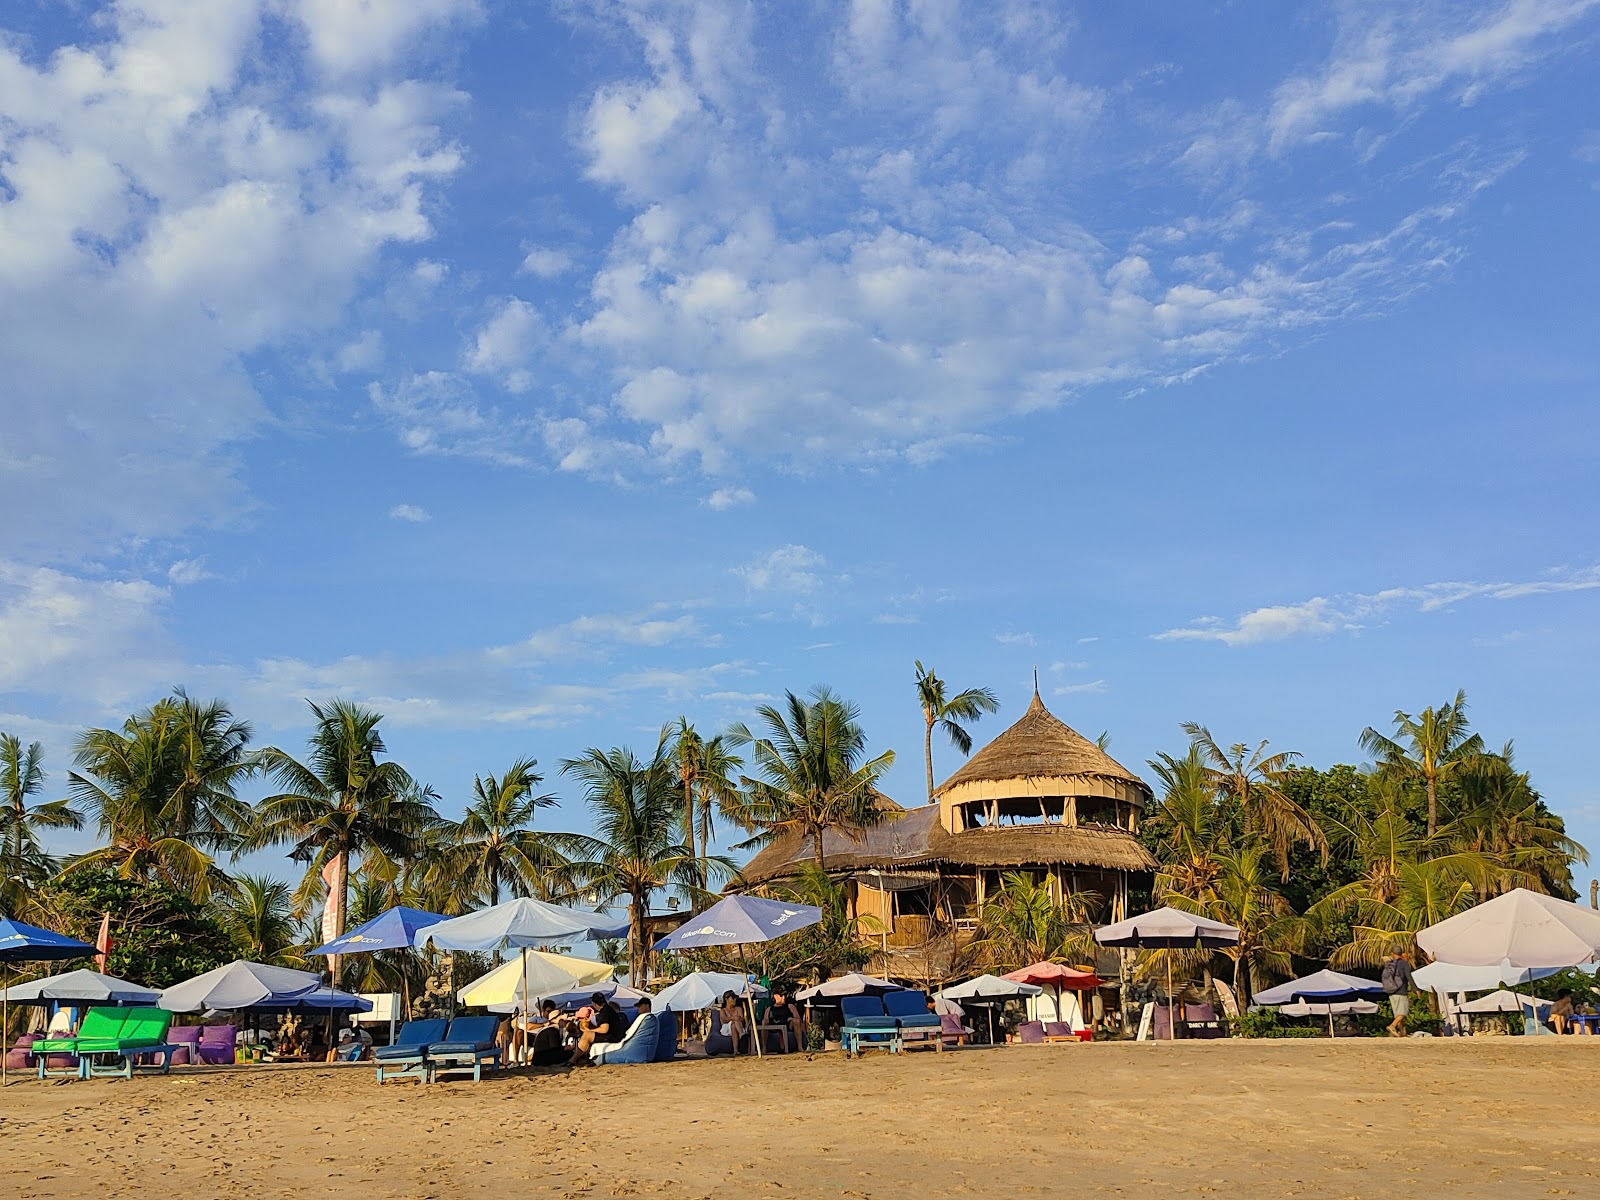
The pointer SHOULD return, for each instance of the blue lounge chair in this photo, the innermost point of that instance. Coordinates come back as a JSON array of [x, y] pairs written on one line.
[[469, 1042], [867, 1024], [407, 1058], [666, 1035], [910, 1011], [639, 1046]]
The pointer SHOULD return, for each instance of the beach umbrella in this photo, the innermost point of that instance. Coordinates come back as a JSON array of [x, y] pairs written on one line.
[[1520, 929], [1049, 974], [395, 929], [240, 985], [1328, 987], [852, 984], [990, 990], [1455, 977], [1503, 1001], [1168, 929], [704, 989], [29, 943], [81, 987], [516, 984], [1337, 1008], [620, 993], [330, 1000], [520, 924], [741, 921]]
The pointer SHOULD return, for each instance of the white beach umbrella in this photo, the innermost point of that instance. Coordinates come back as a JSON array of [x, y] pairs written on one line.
[[1504, 1002], [1168, 929], [853, 984], [704, 989], [1521, 929], [989, 990], [1337, 1008]]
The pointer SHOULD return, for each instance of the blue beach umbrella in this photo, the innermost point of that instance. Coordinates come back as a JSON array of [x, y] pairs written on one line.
[[1322, 987], [29, 943], [395, 929], [741, 921]]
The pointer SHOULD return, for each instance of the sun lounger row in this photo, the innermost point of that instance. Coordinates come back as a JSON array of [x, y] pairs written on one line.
[[424, 1049], [110, 1041], [886, 1020]]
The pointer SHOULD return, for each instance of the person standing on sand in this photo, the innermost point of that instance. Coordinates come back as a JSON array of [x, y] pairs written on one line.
[[1396, 981]]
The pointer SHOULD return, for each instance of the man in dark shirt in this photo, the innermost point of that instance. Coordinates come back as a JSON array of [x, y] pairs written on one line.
[[607, 1025], [784, 1014], [1396, 981]]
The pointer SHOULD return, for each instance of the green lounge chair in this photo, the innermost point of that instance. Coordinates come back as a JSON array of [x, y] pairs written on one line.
[[118, 1034]]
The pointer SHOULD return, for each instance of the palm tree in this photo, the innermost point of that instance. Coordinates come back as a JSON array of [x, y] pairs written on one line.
[[259, 915], [639, 845], [815, 774], [26, 865], [1187, 830], [1023, 923], [705, 772], [162, 791], [343, 803], [1431, 747], [1244, 896], [1501, 817], [1252, 780], [948, 713], [494, 847]]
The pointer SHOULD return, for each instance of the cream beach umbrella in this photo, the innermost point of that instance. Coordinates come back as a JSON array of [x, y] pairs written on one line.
[[1521, 931], [511, 986], [1168, 929]]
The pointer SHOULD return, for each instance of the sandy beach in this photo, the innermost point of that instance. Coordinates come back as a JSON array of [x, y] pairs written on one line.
[[1341, 1120]]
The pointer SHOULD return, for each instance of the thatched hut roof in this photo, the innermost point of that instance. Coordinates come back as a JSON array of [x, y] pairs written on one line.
[[1039, 746], [917, 839]]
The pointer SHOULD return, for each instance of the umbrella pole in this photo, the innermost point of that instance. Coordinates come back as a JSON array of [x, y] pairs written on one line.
[[755, 1034], [1172, 1024], [522, 1031], [5, 1028], [1330, 1019]]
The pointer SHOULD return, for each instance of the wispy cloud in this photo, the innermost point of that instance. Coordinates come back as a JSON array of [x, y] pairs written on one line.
[[1351, 612], [1016, 638], [1092, 687], [725, 498], [793, 570], [414, 513]]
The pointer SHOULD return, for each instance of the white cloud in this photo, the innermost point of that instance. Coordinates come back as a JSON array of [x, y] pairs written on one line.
[[507, 344], [894, 619], [410, 512], [1351, 612], [1069, 666], [1093, 687], [1015, 639], [167, 210], [189, 570], [355, 36], [792, 569], [729, 497], [545, 263], [362, 354], [439, 413]]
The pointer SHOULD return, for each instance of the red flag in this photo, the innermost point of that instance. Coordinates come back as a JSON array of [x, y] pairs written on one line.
[[103, 942]]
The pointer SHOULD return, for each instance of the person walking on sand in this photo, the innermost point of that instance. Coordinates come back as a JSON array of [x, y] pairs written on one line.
[[1396, 981]]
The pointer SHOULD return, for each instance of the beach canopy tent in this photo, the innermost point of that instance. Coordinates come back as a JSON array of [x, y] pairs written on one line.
[[1520, 929], [704, 989], [1324, 989], [81, 988], [395, 929], [28, 943], [1058, 979], [1505, 1002], [240, 985], [990, 990], [518, 986], [741, 921], [1336, 1008], [1168, 929], [853, 984]]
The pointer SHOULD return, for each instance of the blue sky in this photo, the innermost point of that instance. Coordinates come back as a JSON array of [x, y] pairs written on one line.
[[539, 373]]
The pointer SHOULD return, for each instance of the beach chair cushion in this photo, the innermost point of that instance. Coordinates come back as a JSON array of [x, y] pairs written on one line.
[[413, 1039], [865, 1012], [951, 1028], [467, 1035], [666, 1035], [1031, 1033], [219, 1045], [18, 1057], [1059, 1029], [910, 1009], [98, 1025]]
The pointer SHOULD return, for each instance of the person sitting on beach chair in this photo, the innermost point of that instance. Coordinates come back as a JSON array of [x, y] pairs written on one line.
[[637, 1046], [606, 1026], [550, 1038], [730, 1028]]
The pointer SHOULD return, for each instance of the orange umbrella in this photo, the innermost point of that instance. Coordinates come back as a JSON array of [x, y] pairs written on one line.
[[1049, 974]]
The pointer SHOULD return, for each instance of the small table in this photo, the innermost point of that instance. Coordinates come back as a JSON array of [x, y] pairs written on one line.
[[1585, 1022]]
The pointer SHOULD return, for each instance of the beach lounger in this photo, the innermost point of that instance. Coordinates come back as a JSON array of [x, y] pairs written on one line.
[[637, 1046], [1031, 1033], [407, 1057], [666, 1035], [1059, 1031], [952, 1032], [866, 1023], [911, 1013], [120, 1035], [468, 1043]]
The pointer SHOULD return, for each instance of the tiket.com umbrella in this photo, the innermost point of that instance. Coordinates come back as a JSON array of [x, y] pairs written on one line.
[[395, 929], [29, 943], [741, 921], [519, 924], [1168, 929], [1326, 988]]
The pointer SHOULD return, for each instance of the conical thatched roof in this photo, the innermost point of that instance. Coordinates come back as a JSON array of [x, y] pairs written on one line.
[[1039, 746]]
